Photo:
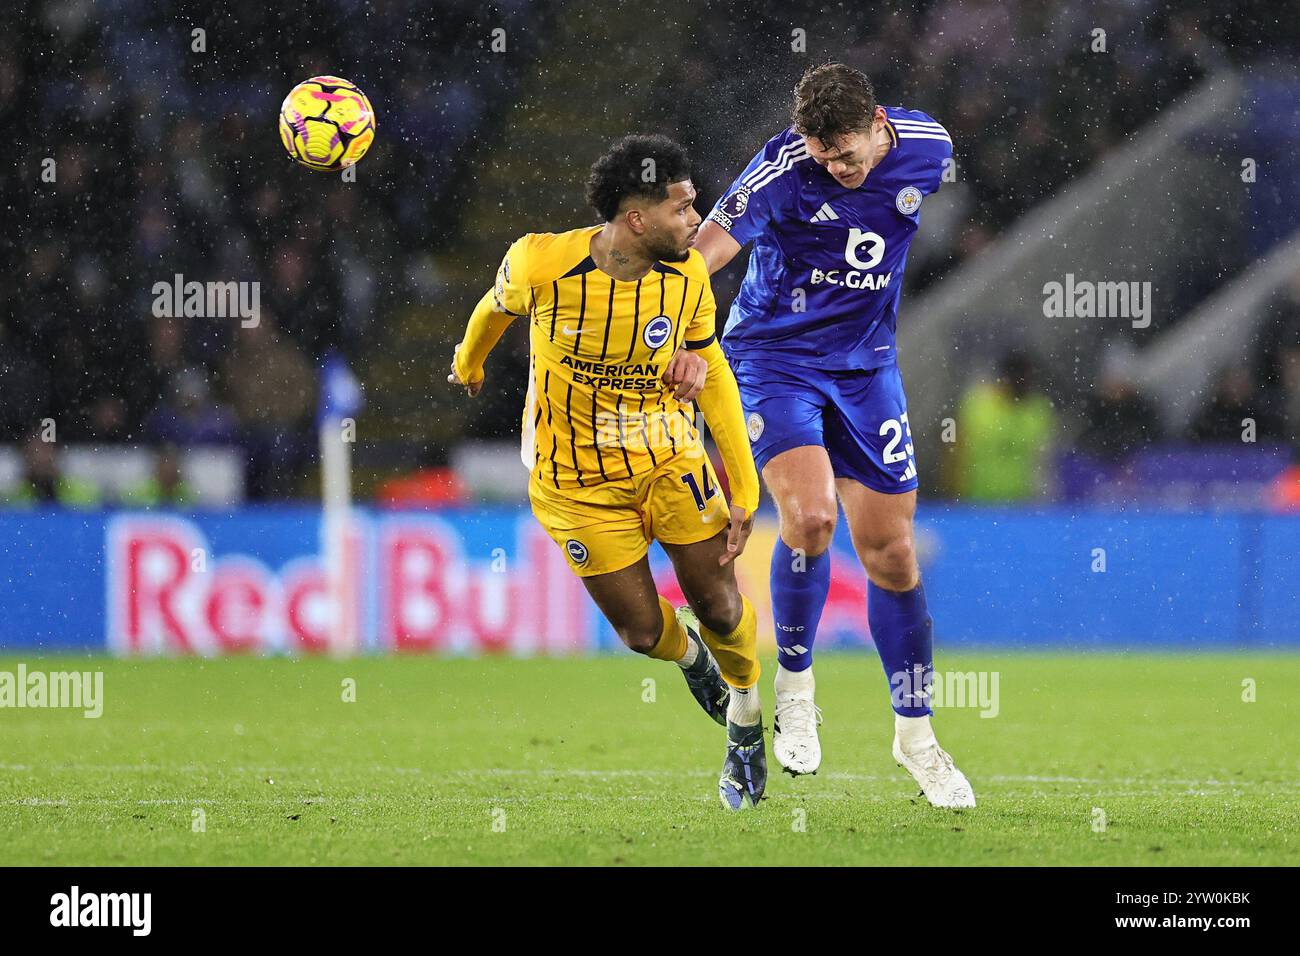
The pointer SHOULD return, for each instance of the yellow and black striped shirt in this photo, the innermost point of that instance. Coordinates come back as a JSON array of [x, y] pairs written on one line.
[[597, 409]]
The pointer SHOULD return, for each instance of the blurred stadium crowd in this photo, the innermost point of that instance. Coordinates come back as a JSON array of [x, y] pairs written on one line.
[[166, 163]]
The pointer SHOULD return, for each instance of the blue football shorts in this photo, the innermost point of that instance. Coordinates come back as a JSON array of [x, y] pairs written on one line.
[[860, 417]]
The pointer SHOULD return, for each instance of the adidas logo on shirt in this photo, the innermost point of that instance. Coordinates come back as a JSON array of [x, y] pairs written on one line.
[[825, 214]]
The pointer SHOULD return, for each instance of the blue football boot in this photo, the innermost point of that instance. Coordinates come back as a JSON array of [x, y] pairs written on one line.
[[703, 677], [744, 772]]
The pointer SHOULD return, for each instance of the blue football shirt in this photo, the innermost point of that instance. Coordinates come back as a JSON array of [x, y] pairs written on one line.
[[826, 269]]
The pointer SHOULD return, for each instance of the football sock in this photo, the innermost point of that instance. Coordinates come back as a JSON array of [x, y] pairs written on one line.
[[903, 632], [744, 709], [799, 586], [914, 733], [688, 659], [673, 643], [737, 652], [795, 682]]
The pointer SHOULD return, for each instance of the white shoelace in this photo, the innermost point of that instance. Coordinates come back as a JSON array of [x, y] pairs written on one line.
[[935, 760], [798, 716]]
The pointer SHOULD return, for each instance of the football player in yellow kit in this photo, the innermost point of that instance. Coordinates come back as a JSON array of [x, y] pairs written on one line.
[[615, 456]]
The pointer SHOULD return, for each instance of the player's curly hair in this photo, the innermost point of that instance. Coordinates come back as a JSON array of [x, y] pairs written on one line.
[[831, 100], [638, 165]]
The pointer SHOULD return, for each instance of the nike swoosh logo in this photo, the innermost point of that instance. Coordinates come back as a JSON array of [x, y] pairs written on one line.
[[568, 331]]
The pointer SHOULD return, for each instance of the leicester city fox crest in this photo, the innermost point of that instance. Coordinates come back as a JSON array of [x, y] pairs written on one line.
[[908, 200]]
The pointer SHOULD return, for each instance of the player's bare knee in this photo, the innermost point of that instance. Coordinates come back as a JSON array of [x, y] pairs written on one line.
[[809, 530], [719, 609], [640, 639], [640, 636], [892, 564]]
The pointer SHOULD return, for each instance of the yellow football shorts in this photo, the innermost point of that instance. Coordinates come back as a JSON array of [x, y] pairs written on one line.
[[608, 526]]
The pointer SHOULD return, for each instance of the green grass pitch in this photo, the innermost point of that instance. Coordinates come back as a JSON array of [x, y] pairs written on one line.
[[497, 761]]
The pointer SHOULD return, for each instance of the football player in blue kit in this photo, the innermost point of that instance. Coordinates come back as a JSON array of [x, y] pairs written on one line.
[[831, 205]]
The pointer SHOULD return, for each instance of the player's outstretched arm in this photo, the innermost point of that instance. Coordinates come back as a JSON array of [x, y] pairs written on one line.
[[509, 297], [720, 403], [486, 326], [716, 245]]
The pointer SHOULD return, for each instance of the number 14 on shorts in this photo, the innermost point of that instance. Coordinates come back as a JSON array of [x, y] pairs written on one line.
[[702, 490]]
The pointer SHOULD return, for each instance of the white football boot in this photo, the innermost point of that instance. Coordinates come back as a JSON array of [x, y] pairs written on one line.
[[794, 725], [933, 770]]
